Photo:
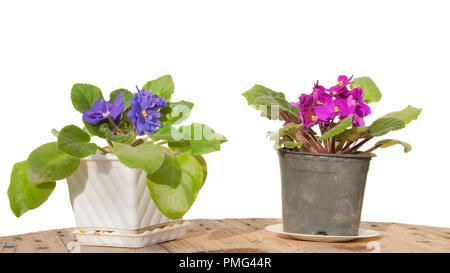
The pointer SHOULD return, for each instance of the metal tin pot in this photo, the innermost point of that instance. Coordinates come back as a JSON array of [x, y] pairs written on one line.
[[322, 193]]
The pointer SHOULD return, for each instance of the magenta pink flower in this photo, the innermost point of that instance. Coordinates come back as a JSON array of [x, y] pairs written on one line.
[[361, 108], [335, 107], [308, 118], [319, 93], [323, 105], [340, 89]]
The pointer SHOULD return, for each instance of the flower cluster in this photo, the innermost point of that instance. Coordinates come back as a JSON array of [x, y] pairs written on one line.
[[144, 112], [101, 110], [324, 105]]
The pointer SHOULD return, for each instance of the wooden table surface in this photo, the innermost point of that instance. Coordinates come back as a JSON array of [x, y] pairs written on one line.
[[247, 235]]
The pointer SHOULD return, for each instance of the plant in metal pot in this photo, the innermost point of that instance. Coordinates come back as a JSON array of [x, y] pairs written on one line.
[[321, 144], [147, 174]]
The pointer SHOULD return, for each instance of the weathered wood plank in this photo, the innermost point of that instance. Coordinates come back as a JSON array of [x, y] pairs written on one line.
[[36, 242], [247, 235]]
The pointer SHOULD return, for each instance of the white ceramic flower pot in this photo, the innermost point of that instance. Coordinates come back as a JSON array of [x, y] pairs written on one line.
[[113, 207]]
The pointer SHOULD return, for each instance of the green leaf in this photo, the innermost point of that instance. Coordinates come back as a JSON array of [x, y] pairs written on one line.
[[127, 96], [202, 163], [383, 126], [109, 135], [393, 121], [263, 99], [355, 131], [168, 133], [97, 129], [339, 128], [24, 196], [175, 186], [289, 130], [162, 87], [175, 112], [196, 138], [84, 95], [371, 91], [47, 163], [406, 115], [389, 142], [75, 142], [290, 144], [147, 156]]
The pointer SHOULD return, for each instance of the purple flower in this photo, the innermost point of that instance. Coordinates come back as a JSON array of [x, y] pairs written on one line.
[[144, 112], [308, 118], [306, 114], [319, 93], [102, 110], [335, 107], [361, 109], [340, 89], [305, 102]]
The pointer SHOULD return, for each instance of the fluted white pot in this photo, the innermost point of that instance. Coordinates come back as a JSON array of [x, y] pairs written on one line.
[[112, 205]]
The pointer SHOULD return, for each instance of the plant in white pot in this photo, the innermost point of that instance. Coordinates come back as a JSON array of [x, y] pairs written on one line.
[[133, 191], [323, 169]]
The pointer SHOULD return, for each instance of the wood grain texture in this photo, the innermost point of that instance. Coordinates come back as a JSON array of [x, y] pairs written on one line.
[[246, 235]]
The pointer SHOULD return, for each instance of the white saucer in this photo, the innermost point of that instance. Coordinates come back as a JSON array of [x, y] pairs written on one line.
[[131, 240], [363, 233]]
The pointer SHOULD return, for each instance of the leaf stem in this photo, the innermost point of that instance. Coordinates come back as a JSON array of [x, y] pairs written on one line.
[[357, 146], [111, 122], [102, 150]]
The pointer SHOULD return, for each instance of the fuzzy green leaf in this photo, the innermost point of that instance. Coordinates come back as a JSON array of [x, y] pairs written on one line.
[[175, 112], [84, 95], [389, 142], [175, 186], [47, 163], [127, 96], [406, 115], [196, 138], [202, 163], [162, 87], [383, 126], [97, 129], [109, 135], [339, 128], [355, 131], [393, 121], [24, 196], [147, 156], [264, 99], [75, 142], [371, 91]]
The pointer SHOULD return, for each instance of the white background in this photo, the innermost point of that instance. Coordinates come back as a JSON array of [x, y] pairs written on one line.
[[215, 50]]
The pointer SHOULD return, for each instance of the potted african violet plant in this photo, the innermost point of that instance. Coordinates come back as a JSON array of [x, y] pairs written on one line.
[[134, 190], [323, 165]]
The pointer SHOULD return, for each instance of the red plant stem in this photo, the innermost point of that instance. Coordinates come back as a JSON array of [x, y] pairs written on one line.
[[357, 146], [307, 143], [314, 141], [347, 146], [372, 149], [333, 145], [304, 136]]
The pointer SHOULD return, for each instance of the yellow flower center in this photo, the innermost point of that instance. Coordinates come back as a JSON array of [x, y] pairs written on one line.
[[314, 117], [334, 92], [106, 114], [357, 103], [336, 109], [340, 82], [144, 114]]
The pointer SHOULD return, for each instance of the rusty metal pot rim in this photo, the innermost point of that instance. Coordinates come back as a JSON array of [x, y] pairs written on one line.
[[284, 150]]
